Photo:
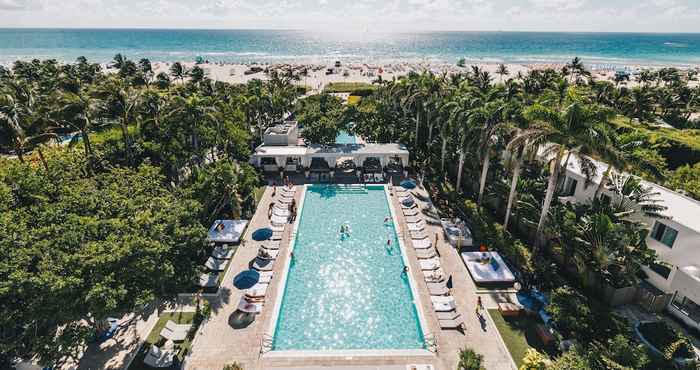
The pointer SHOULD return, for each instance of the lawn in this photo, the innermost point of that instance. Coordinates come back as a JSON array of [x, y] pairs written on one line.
[[348, 87], [518, 334], [154, 337]]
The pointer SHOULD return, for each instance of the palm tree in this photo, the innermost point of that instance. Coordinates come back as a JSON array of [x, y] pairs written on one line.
[[120, 102], [577, 129], [502, 71], [487, 120], [178, 71], [27, 127], [78, 110]]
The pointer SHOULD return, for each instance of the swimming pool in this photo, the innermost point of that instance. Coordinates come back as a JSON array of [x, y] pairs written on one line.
[[346, 293], [345, 137]]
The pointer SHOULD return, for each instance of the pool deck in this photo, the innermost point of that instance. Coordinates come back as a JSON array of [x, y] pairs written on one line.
[[218, 344]]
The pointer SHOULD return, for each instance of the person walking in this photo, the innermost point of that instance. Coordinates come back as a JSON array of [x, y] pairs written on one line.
[[479, 306]]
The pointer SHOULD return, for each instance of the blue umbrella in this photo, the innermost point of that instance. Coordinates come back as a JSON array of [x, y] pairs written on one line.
[[262, 234], [408, 202], [246, 279], [408, 184]]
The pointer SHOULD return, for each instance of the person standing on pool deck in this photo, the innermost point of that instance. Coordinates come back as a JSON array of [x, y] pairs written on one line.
[[479, 306]]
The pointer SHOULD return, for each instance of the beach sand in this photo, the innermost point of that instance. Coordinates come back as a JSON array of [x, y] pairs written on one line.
[[318, 77]]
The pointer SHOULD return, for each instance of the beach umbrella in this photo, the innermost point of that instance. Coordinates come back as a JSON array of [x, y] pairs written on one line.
[[246, 279], [262, 234], [408, 184], [408, 202]]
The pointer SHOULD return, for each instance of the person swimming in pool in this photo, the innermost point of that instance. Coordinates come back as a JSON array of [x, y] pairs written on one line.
[[344, 231]]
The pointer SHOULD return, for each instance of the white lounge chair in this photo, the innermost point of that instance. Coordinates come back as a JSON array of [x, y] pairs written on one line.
[[447, 315], [263, 265], [443, 303], [435, 276], [411, 211], [438, 289], [416, 227], [418, 234], [282, 212], [276, 236], [175, 332], [257, 290], [413, 219], [250, 307], [457, 323], [278, 220], [271, 246], [272, 254], [265, 277], [277, 228], [421, 244], [429, 265], [426, 254]]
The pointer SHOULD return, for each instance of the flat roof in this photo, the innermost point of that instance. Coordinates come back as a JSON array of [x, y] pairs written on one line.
[[335, 150]]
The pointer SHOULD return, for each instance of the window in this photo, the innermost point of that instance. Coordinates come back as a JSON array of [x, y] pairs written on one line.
[[688, 307], [569, 188], [661, 268], [664, 234]]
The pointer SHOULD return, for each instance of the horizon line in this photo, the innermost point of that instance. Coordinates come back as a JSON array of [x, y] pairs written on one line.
[[140, 28]]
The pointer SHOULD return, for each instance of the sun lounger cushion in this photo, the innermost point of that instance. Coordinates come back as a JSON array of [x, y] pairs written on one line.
[[410, 211], [434, 276], [418, 234], [415, 227], [279, 220], [257, 290], [215, 264], [250, 307], [430, 265], [271, 253], [451, 324], [413, 219], [276, 236], [437, 289], [222, 253], [425, 254], [263, 265], [447, 315], [419, 244], [441, 303]]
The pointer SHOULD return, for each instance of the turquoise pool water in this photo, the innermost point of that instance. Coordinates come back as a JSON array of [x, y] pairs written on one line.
[[349, 293], [344, 137]]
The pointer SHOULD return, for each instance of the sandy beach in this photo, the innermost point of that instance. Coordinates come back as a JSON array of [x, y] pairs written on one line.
[[319, 75]]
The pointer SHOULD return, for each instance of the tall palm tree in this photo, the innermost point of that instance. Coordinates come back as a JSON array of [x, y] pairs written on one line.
[[577, 129], [178, 71], [121, 102], [27, 126], [79, 109], [487, 119], [502, 70]]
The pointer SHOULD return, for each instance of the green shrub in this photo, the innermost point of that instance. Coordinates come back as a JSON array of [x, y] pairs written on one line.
[[233, 366], [666, 339], [470, 360]]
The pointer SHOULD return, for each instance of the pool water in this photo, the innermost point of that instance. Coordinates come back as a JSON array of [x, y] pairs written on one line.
[[347, 293], [345, 137]]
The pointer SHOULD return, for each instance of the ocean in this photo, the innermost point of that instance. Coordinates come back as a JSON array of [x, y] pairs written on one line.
[[270, 46]]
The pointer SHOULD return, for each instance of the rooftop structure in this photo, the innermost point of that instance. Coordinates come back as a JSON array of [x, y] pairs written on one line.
[[286, 133]]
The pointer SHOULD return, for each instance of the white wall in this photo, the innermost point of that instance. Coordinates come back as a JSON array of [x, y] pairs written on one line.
[[685, 250]]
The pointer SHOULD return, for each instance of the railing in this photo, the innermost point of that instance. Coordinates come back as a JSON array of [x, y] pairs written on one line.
[[265, 344], [431, 343]]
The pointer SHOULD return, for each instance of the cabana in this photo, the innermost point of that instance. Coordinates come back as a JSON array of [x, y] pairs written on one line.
[[227, 231], [393, 156], [487, 268]]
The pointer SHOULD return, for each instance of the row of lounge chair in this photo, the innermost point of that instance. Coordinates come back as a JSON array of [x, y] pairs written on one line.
[[253, 298], [429, 260]]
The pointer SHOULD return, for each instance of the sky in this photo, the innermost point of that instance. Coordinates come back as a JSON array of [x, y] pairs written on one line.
[[361, 15]]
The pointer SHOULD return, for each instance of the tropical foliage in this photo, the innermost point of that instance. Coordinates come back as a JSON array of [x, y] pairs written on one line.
[[118, 174]]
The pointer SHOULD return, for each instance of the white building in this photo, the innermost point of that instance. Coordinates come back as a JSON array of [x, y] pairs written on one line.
[[676, 240], [282, 150]]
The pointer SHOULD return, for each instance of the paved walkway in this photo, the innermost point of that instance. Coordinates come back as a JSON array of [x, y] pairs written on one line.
[[218, 343]]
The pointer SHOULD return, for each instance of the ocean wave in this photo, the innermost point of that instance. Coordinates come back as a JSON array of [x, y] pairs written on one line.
[[675, 44]]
